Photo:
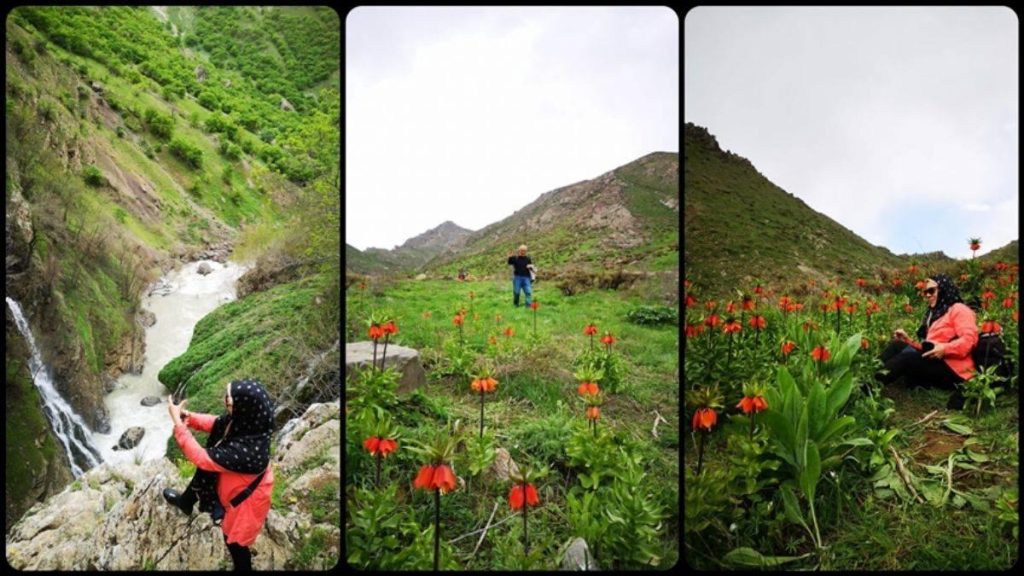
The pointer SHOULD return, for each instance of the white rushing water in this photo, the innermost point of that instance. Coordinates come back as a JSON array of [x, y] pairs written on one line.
[[181, 299], [71, 431]]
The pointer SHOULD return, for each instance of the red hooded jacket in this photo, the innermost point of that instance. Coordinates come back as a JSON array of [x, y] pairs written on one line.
[[243, 524]]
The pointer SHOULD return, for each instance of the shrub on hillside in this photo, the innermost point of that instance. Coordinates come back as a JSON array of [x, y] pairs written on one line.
[[187, 153], [653, 315], [93, 176], [161, 125]]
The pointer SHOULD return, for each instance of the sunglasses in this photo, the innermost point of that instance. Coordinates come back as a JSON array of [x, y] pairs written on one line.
[[930, 291]]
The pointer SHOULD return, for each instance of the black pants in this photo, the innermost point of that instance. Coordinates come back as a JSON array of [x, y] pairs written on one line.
[[904, 361], [240, 555]]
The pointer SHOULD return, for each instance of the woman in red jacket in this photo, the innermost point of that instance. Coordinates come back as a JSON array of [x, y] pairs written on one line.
[[236, 462], [948, 332]]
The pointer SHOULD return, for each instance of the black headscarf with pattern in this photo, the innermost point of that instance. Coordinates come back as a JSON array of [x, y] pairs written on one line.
[[948, 295], [244, 446]]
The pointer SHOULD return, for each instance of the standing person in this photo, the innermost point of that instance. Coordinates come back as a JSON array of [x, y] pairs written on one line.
[[948, 333], [236, 462], [521, 275]]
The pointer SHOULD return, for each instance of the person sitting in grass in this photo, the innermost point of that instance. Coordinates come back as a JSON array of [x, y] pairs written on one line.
[[948, 333], [521, 275]]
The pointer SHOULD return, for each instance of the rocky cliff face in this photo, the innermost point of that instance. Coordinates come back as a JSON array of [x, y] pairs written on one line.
[[115, 518]]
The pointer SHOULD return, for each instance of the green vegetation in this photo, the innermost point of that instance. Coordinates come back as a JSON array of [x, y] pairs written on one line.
[[536, 414]]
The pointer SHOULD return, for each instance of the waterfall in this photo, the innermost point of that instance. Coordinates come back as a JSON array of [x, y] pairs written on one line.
[[69, 428]]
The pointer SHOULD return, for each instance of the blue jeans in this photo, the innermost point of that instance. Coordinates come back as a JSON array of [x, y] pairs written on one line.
[[521, 283]]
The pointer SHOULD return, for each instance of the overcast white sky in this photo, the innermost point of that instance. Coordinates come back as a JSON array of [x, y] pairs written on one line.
[[899, 123], [468, 114]]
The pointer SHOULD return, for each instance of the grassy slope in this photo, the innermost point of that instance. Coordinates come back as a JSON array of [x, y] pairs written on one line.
[[265, 335], [562, 244], [740, 226], [535, 409]]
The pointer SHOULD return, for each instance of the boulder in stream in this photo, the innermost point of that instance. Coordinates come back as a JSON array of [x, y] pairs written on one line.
[[204, 269], [150, 401], [131, 438]]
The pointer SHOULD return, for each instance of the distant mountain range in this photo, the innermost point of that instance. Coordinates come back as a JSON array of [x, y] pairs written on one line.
[[626, 218]]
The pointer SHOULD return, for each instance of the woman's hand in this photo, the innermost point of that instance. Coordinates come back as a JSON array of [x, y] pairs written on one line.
[[175, 410], [901, 335], [939, 351]]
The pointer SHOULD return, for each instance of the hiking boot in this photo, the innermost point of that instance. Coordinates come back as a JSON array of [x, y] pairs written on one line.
[[173, 497]]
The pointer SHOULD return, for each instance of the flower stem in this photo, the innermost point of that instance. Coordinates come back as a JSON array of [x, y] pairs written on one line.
[[814, 518], [437, 526], [378, 469], [700, 452], [752, 425], [374, 354], [526, 534], [385, 353], [481, 413]]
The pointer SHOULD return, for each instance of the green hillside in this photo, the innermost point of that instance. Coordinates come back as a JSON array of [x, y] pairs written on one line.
[[123, 161], [625, 219], [740, 227]]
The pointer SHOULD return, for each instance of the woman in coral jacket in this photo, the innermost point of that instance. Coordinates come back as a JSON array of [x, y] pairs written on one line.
[[234, 470], [948, 332]]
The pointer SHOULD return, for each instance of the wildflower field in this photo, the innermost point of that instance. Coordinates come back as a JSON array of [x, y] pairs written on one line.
[[796, 458], [581, 391]]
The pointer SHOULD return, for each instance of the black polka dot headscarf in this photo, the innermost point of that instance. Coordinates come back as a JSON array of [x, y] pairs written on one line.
[[948, 295], [245, 445]]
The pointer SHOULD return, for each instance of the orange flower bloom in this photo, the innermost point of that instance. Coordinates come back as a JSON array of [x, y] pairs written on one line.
[[809, 325], [752, 404], [458, 320], [784, 302], [710, 305], [861, 282], [608, 338], [757, 322], [587, 389], [534, 304], [730, 308], [748, 303], [1008, 302], [444, 479], [704, 418], [590, 330], [376, 332], [509, 332], [963, 277], [371, 444], [593, 413], [387, 446], [820, 354], [712, 321], [988, 295], [490, 384], [919, 285], [908, 308], [1015, 315], [912, 269], [476, 385], [794, 307], [492, 341], [693, 330], [758, 290], [687, 283], [390, 328], [517, 496], [427, 314], [760, 404], [787, 347], [425, 478], [864, 343], [991, 326], [690, 301], [731, 326]]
